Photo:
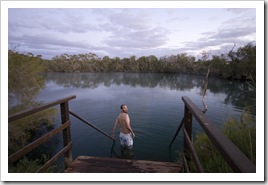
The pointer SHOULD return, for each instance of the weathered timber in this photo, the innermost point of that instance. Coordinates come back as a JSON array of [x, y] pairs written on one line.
[[190, 147], [30, 111], [54, 159], [14, 157], [89, 164], [66, 133], [236, 159]]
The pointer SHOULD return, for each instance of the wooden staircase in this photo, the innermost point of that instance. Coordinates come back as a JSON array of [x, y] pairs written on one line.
[[89, 164]]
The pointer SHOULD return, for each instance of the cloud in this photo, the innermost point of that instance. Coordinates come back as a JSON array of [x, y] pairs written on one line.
[[52, 20], [133, 29], [70, 23], [240, 10], [151, 38], [50, 45], [232, 33], [126, 32], [44, 41], [130, 21], [239, 30]]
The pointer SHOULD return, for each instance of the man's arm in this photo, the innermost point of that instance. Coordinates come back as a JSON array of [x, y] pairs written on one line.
[[115, 125], [129, 127]]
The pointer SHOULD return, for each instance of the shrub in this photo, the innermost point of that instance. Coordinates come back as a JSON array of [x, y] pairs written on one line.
[[241, 132]]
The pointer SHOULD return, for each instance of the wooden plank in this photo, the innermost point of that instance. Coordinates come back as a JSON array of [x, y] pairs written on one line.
[[54, 159], [88, 164], [27, 112], [191, 149], [66, 133], [236, 159], [188, 127]]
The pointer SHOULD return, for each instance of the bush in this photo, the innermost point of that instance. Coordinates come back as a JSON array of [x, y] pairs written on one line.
[[30, 166], [241, 132]]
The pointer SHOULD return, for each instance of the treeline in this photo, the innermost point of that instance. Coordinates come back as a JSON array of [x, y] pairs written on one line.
[[240, 64]]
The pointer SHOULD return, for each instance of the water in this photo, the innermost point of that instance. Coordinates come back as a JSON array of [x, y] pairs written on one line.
[[155, 109]]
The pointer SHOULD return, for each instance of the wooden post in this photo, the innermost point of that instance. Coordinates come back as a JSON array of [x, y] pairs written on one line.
[[188, 128], [66, 132]]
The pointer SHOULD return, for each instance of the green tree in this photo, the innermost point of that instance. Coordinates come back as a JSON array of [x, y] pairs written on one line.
[[24, 80], [220, 67], [24, 83], [244, 62]]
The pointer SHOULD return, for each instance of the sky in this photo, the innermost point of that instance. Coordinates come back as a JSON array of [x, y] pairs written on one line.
[[124, 32]]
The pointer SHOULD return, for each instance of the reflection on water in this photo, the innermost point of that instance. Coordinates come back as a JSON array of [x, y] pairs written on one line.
[[151, 80], [155, 108], [237, 93]]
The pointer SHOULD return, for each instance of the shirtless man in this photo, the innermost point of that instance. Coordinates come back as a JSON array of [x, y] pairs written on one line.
[[126, 132]]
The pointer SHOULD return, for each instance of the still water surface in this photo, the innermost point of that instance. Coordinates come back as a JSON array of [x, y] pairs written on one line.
[[155, 109]]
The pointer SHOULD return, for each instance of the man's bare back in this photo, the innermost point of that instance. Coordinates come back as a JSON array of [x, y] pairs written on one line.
[[124, 121]]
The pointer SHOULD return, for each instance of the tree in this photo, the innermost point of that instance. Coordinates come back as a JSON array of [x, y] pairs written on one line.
[[24, 80], [24, 83], [244, 62], [204, 55]]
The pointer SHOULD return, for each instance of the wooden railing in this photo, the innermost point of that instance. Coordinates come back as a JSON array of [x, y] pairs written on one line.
[[65, 128], [233, 156]]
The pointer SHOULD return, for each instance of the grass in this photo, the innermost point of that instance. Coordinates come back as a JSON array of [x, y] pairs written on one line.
[[241, 132]]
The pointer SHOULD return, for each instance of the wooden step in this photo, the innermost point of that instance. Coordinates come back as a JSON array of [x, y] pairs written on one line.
[[89, 164]]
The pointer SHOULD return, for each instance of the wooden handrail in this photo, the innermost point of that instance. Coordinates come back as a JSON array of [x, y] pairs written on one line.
[[233, 156], [65, 128], [30, 111]]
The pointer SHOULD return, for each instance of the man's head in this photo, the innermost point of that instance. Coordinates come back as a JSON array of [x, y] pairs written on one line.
[[124, 108]]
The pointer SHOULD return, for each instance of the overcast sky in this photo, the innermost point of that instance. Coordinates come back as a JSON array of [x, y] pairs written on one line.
[[126, 31]]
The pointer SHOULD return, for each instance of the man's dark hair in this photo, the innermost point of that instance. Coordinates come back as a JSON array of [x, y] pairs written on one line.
[[121, 107]]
